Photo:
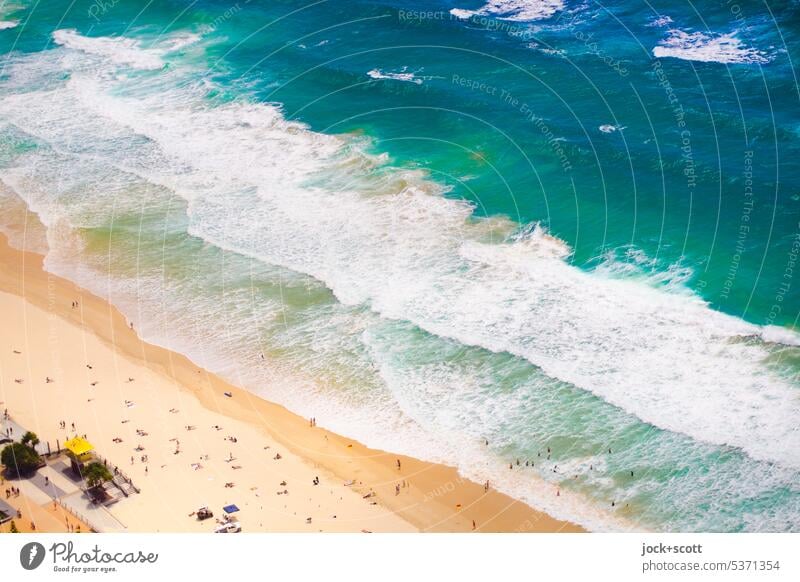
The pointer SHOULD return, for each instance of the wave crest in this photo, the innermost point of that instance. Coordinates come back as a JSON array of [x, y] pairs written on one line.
[[708, 48], [516, 10]]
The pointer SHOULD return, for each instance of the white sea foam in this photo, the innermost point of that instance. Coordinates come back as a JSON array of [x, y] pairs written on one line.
[[608, 128], [660, 21], [7, 9], [708, 48], [123, 51], [633, 264], [401, 75], [461, 13], [516, 10], [271, 189], [545, 49], [181, 41], [780, 335], [22, 227]]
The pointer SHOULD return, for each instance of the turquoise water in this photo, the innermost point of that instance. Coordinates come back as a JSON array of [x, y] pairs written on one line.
[[562, 228]]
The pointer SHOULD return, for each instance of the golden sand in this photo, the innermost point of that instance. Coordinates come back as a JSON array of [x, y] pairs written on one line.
[[111, 384]]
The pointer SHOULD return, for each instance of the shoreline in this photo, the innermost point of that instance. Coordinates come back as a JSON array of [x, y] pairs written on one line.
[[434, 497]]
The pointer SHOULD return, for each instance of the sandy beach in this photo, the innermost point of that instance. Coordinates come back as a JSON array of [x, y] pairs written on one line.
[[189, 439]]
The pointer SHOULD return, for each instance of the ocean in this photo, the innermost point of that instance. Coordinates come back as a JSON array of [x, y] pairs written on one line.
[[560, 236]]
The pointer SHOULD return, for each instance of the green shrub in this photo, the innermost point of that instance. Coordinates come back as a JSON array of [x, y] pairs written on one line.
[[30, 439], [20, 459], [96, 474]]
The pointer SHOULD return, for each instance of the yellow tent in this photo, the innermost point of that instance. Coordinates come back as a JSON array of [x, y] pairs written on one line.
[[78, 446]]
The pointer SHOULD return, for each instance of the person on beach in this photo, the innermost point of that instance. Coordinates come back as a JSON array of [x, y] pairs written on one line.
[[398, 464]]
